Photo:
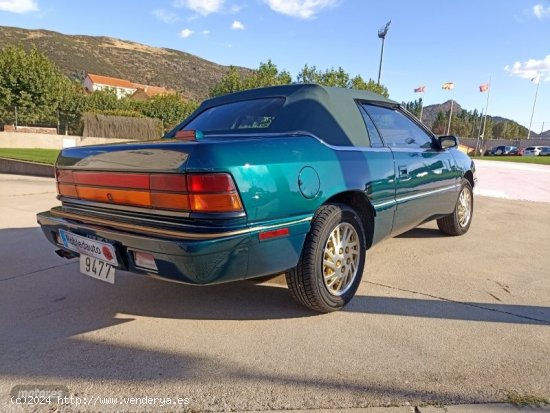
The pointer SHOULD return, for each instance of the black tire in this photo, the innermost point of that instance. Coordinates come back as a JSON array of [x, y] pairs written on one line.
[[454, 224], [306, 282]]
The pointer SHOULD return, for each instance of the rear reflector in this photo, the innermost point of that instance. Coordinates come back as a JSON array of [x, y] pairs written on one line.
[[144, 260], [276, 233]]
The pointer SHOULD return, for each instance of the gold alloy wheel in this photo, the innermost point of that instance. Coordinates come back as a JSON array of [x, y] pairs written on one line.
[[341, 259], [464, 207]]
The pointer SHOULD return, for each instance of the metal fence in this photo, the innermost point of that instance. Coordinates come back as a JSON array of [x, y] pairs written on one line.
[[488, 144]]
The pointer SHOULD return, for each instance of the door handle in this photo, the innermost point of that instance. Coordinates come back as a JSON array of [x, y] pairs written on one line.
[[403, 173]]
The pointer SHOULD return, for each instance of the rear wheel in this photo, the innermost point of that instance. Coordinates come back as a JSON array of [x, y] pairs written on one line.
[[459, 221], [331, 265]]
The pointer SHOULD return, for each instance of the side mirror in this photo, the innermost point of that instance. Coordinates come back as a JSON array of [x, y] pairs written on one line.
[[446, 142]]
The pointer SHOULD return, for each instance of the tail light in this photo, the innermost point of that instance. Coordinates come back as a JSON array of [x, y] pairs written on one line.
[[213, 192]]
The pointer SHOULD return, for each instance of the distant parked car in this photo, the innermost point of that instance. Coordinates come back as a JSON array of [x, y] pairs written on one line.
[[533, 150], [503, 150], [545, 151]]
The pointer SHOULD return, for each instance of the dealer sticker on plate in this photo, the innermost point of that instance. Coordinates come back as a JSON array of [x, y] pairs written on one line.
[[97, 258], [86, 246]]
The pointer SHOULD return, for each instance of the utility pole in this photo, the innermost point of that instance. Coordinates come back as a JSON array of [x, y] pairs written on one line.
[[382, 32]]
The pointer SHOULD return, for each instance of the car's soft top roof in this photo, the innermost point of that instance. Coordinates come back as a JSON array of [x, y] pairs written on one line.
[[327, 112]]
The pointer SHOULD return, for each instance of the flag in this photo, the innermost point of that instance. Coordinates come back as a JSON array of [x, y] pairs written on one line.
[[448, 86], [484, 87], [420, 89], [535, 79]]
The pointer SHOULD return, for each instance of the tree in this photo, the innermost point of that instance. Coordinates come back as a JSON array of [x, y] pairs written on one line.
[[171, 109], [339, 78], [414, 107], [71, 107], [358, 83], [103, 100], [267, 74], [30, 82], [232, 81]]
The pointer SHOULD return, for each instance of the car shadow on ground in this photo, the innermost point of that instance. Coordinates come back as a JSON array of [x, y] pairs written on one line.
[[46, 312], [60, 286], [422, 233]]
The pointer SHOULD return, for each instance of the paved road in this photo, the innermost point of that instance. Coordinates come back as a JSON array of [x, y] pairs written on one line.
[[510, 180], [437, 320]]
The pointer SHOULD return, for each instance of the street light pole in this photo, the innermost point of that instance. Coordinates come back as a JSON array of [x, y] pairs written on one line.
[[382, 35]]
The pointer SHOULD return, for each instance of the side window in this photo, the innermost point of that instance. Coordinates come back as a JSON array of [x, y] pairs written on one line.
[[374, 136], [397, 130]]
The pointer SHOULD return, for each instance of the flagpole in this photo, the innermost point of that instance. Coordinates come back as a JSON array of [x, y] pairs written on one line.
[[479, 131], [534, 104], [450, 114], [421, 108], [486, 109]]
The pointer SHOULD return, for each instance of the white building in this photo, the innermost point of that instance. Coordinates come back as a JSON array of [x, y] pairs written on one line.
[[121, 87]]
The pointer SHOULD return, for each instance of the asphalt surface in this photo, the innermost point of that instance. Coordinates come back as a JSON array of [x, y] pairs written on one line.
[[437, 320]]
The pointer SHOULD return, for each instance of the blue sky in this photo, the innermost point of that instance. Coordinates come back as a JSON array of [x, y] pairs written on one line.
[[430, 42]]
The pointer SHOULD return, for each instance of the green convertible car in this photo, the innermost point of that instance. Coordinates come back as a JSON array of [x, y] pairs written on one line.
[[299, 179]]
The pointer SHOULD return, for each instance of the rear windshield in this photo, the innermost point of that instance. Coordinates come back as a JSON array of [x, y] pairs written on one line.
[[247, 114], [530, 148]]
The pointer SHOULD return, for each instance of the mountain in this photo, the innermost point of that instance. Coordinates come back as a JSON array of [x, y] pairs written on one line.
[[429, 113], [139, 63]]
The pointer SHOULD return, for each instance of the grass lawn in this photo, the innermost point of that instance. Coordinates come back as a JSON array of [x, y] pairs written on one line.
[[47, 156], [540, 160]]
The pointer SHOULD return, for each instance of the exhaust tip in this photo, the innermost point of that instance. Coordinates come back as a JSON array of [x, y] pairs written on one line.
[[66, 254]]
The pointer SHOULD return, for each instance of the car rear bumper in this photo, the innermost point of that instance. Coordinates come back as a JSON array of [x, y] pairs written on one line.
[[192, 258]]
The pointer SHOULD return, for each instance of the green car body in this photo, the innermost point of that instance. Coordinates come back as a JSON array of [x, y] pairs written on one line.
[[316, 148]]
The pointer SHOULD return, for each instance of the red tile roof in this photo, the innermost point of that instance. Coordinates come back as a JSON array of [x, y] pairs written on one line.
[[111, 81]]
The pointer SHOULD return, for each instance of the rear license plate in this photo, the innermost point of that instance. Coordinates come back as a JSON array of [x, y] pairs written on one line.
[[97, 269], [95, 249]]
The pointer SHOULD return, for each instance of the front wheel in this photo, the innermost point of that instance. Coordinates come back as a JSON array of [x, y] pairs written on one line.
[[333, 257], [459, 221]]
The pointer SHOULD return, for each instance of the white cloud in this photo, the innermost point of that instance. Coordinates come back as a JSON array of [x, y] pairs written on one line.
[[237, 25], [302, 9], [235, 8], [165, 16], [205, 32], [541, 11], [18, 6], [185, 33], [531, 68], [202, 7]]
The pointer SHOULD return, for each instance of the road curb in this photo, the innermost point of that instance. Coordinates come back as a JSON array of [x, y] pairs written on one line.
[[13, 166]]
